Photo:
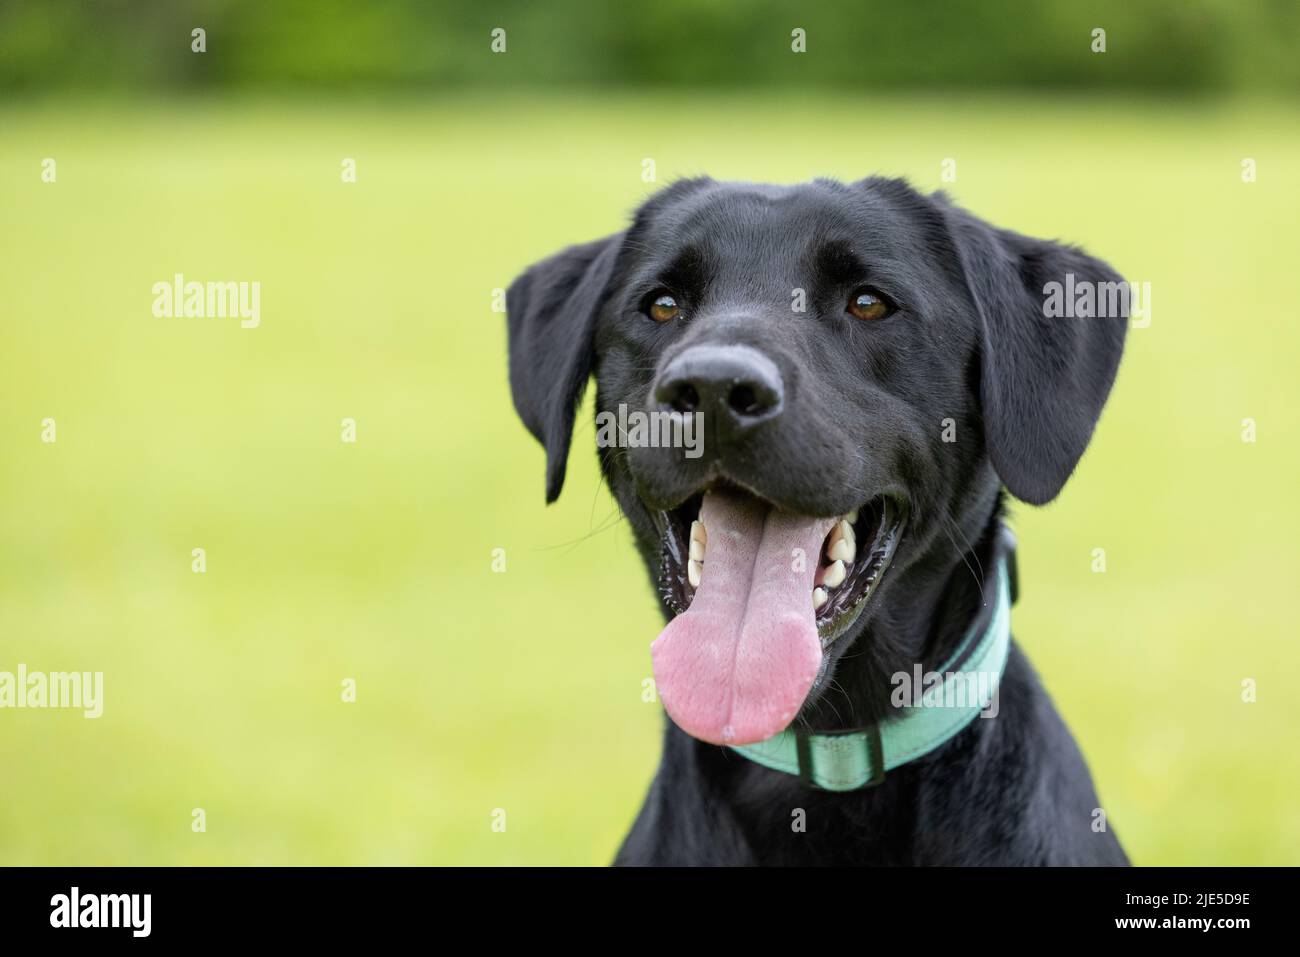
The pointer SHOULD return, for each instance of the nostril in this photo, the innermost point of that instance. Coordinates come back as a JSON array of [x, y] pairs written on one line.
[[752, 400], [744, 400], [685, 398]]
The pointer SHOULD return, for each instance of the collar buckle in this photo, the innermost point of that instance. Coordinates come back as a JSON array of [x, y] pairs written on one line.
[[867, 739]]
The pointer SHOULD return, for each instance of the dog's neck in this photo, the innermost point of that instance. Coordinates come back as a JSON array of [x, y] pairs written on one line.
[[920, 620]]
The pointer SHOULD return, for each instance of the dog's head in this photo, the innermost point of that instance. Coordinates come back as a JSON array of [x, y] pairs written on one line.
[[798, 386]]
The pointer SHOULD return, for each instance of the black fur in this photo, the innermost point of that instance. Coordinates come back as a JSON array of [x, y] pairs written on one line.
[[865, 406]]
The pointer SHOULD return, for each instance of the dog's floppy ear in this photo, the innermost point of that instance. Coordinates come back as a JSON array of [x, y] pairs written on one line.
[[551, 317], [1043, 378]]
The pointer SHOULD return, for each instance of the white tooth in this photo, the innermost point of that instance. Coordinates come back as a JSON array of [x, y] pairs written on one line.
[[693, 570], [697, 550], [842, 530], [842, 551], [698, 532], [851, 517], [835, 575], [819, 597]]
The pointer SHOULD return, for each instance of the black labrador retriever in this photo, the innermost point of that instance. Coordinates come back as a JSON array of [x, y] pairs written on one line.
[[811, 399]]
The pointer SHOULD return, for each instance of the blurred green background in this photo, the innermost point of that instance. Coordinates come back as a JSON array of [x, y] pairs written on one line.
[[522, 690]]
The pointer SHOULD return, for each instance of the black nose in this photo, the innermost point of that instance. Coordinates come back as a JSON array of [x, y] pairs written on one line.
[[737, 383]]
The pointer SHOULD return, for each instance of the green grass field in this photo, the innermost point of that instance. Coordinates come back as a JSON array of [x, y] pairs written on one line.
[[373, 561]]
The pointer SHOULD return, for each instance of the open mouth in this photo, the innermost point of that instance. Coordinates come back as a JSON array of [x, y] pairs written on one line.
[[759, 595], [853, 557]]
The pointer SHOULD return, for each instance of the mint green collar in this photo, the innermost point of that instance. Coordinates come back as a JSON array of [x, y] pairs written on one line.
[[848, 760]]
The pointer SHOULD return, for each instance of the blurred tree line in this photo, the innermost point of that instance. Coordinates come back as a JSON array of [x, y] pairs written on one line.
[[430, 45]]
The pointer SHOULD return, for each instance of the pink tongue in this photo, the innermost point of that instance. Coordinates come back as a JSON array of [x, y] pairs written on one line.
[[736, 666]]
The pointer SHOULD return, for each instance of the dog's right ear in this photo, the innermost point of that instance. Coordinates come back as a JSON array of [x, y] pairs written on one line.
[[551, 318]]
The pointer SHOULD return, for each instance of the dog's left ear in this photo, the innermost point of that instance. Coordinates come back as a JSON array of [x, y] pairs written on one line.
[[1043, 380], [551, 320]]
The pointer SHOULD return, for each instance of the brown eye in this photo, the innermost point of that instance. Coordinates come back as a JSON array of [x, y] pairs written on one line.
[[664, 308], [869, 305]]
